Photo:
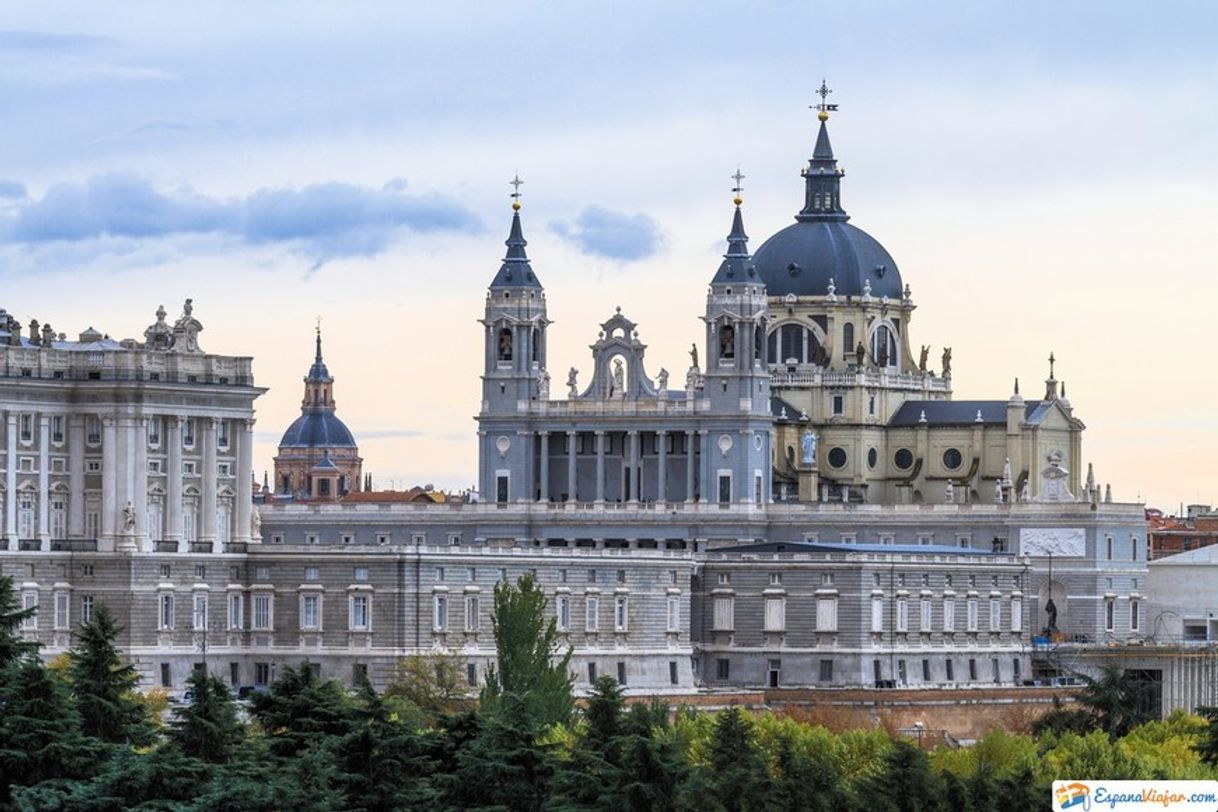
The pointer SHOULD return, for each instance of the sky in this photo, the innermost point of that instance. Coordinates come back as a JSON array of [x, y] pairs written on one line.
[[1045, 175]]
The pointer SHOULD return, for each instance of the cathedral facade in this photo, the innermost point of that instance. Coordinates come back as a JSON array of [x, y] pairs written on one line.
[[804, 505]]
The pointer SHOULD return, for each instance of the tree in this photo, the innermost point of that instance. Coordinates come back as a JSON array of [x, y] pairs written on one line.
[[504, 767], [12, 646], [655, 768], [1118, 699], [735, 777], [207, 728], [907, 784], [1207, 747], [527, 646], [104, 685], [300, 709], [40, 738], [593, 776], [434, 683]]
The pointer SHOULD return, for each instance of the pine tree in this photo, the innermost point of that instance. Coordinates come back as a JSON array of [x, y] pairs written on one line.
[[504, 767], [654, 768], [593, 776], [300, 709], [12, 646], [526, 645], [737, 778], [103, 684], [40, 737], [207, 728], [907, 783]]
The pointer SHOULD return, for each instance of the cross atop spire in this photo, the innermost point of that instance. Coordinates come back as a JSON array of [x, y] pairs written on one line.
[[516, 194], [739, 187], [823, 108], [1052, 361]]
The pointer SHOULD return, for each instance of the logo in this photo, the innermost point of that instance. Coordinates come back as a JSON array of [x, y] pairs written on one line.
[[1072, 795]]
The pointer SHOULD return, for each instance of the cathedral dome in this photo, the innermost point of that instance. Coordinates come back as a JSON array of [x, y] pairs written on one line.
[[317, 429], [804, 256]]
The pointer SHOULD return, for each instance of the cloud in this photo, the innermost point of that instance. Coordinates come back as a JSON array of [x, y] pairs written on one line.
[[11, 190], [49, 41], [322, 221], [610, 234]]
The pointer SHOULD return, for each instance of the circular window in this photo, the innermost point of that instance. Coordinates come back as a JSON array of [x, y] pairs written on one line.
[[872, 457], [837, 457], [952, 459], [903, 459]]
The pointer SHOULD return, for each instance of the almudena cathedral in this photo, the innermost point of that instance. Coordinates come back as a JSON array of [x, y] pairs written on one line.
[[805, 505]]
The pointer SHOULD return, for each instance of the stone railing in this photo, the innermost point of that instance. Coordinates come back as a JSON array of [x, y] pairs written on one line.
[[805, 376]]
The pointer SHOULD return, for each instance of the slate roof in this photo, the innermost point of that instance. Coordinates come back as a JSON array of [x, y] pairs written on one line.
[[964, 412], [317, 429], [831, 547], [515, 272]]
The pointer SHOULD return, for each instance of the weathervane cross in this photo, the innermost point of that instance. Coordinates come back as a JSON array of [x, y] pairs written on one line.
[[739, 187], [516, 183], [823, 91], [319, 324]]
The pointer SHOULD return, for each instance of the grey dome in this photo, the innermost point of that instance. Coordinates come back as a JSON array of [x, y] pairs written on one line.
[[802, 258], [317, 429]]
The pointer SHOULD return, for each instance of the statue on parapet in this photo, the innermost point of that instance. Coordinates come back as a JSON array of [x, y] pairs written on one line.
[[693, 356], [572, 387], [923, 358], [947, 362]]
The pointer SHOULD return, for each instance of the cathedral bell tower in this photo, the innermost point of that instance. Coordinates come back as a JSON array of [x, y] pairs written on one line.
[[514, 333], [737, 380]]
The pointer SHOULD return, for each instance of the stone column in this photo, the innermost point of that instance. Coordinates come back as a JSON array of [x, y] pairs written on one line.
[[44, 481], [126, 484], [244, 437], [572, 437], [709, 484], [689, 466], [109, 498], [633, 496], [208, 509], [600, 466], [76, 476], [139, 494], [662, 467], [544, 472], [173, 479]]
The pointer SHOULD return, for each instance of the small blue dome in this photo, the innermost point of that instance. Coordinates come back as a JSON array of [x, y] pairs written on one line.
[[317, 429]]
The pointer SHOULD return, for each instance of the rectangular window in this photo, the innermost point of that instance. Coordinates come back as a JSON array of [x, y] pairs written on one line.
[[591, 672], [262, 673], [621, 576], [360, 574], [166, 618], [188, 433], [501, 489], [262, 611], [1133, 548], [86, 609], [61, 610], [724, 614], [775, 614], [620, 613], [950, 669], [311, 574], [563, 612], [995, 672], [471, 674], [926, 670], [592, 611], [439, 612], [471, 613], [1016, 670], [995, 614], [902, 673], [1109, 615], [1017, 614], [724, 578], [1108, 546], [775, 579], [877, 613], [972, 669], [27, 428], [57, 429], [621, 672], [236, 608], [839, 404], [972, 614], [592, 576], [672, 672], [166, 677], [1134, 618], [674, 613], [360, 610], [826, 614], [902, 615], [310, 612], [723, 668], [949, 614], [222, 433], [877, 672], [924, 620], [262, 574], [154, 432], [725, 488], [200, 612], [826, 670], [92, 430]]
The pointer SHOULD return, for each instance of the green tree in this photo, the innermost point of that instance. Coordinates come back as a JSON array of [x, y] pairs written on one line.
[[301, 709], [805, 780], [1119, 700], [593, 776], [734, 777], [434, 683], [529, 664], [207, 728], [504, 767], [40, 737], [1207, 746], [907, 784], [12, 645], [104, 686], [655, 768]]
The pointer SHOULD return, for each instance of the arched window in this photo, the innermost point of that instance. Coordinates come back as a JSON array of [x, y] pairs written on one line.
[[727, 341], [884, 347], [505, 344], [759, 343], [847, 338]]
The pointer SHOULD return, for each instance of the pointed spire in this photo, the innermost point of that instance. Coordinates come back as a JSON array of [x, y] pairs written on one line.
[[822, 176], [733, 268], [318, 373], [1051, 382], [516, 272]]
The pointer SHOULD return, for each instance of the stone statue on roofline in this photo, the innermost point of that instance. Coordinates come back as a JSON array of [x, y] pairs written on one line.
[[572, 386], [186, 330], [947, 362]]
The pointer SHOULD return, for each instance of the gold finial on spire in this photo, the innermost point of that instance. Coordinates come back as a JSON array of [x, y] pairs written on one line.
[[739, 187], [823, 108], [516, 183]]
